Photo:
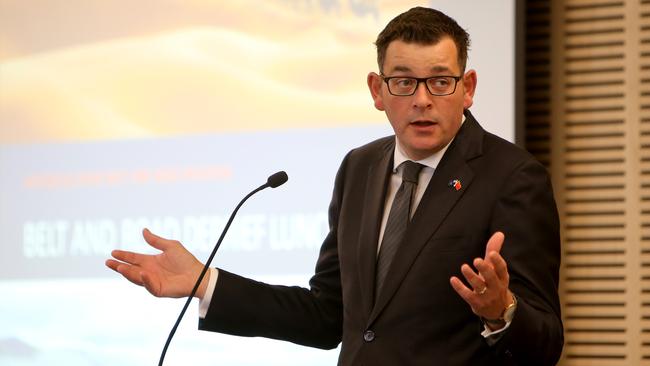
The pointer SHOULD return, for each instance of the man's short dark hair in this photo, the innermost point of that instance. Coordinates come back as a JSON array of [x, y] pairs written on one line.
[[424, 26]]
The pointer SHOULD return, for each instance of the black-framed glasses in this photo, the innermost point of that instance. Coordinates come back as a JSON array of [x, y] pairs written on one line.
[[404, 86]]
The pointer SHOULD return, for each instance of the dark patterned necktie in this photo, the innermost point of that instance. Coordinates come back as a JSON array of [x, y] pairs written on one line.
[[398, 220]]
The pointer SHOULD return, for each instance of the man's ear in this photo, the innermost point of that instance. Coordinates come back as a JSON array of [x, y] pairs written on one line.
[[374, 84], [469, 87]]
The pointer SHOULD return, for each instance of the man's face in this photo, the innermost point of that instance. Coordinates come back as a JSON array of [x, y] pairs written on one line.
[[423, 123]]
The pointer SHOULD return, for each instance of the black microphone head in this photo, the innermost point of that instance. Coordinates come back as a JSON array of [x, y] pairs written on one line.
[[277, 179]]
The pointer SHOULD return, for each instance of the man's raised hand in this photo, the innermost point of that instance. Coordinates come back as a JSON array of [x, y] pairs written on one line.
[[488, 294], [171, 273]]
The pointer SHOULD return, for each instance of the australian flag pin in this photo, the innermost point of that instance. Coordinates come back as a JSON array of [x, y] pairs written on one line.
[[455, 184]]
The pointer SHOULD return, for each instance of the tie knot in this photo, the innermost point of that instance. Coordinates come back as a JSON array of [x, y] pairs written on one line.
[[411, 171]]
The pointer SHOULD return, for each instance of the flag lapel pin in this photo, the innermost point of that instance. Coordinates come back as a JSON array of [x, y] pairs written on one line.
[[455, 184]]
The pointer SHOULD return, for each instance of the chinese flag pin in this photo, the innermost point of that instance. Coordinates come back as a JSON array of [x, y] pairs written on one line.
[[455, 184]]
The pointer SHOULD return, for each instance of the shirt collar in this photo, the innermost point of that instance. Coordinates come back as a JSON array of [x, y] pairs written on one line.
[[430, 161]]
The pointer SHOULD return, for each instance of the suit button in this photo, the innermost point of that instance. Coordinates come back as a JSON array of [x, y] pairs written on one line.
[[369, 336]]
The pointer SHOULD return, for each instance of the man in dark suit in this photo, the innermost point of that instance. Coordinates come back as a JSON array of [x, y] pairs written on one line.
[[407, 214]]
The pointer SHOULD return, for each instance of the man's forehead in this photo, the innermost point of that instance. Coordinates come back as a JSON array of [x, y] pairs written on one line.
[[438, 57]]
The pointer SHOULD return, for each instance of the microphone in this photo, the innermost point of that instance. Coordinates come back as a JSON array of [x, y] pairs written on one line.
[[277, 179], [274, 181]]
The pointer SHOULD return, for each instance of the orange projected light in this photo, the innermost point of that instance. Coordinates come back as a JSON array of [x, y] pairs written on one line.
[[284, 65]]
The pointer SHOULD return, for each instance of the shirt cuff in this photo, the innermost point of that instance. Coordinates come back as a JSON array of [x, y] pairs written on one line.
[[488, 333], [204, 303]]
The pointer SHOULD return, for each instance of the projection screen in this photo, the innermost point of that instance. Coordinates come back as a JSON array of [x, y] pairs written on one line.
[[120, 115]]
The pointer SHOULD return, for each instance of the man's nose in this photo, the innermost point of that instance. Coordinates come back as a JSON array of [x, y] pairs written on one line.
[[422, 97]]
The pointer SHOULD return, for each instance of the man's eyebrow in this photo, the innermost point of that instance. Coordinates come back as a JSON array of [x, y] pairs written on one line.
[[400, 68], [435, 69], [439, 68]]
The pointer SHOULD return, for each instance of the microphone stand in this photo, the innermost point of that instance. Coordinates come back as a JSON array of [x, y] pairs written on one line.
[[273, 181]]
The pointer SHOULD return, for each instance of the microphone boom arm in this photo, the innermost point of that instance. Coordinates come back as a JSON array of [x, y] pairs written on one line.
[[273, 181]]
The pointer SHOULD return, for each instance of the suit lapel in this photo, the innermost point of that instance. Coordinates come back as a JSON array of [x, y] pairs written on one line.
[[438, 200], [378, 174]]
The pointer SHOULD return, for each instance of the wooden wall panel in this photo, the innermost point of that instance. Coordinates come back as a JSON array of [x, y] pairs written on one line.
[[588, 120]]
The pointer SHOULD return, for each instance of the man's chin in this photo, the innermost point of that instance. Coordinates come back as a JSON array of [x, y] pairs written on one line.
[[419, 152]]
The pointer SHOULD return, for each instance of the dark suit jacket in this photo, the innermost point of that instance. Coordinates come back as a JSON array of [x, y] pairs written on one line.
[[418, 319]]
